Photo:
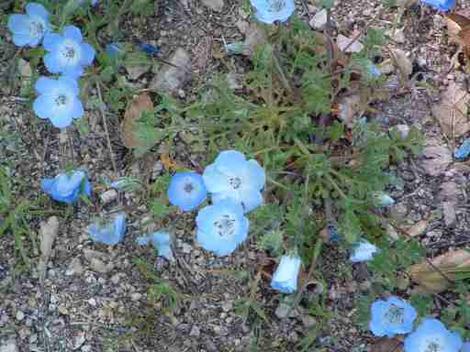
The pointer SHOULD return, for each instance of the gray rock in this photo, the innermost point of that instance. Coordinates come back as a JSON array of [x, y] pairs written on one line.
[[284, 310], [75, 267], [195, 331], [19, 315], [308, 321], [108, 196], [171, 78], [404, 130], [214, 5], [319, 20], [9, 346], [450, 217], [136, 71], [436, 159]]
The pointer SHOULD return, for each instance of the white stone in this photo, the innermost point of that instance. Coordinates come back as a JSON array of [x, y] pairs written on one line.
[[319, 20]]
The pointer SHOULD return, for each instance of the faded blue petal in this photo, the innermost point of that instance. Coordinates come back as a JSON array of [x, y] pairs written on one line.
[[391, 317], [441, 5], [221, 227], [161, 241], [187, 190], [110, 233], [363, 251], [67, 187], [383, 200], [463, 152], [432, 335], [270, 11], [114, 50], [285, 277]]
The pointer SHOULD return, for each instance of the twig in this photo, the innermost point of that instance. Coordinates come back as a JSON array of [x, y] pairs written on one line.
[[103, 115]]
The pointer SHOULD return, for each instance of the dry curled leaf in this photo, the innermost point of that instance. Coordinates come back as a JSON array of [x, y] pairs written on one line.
[[140, 104], [452, 111], [438, 274], [349, 45], [436, 159], [387, 345], [458, 27]]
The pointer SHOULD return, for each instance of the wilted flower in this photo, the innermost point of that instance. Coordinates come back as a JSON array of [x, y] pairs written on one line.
[[363, 251], [109, 233], [233, 177], [187, 190], [221, 227], [67, 53], [29, 29], [383, 200], [67, 187], [391, 317], [441, 5], [433, 336], [161, 241], [463, 152], [58, 100], [285, 277], [270, 11]]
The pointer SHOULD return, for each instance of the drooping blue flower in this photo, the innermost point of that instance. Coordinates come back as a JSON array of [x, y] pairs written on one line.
[[161, 241], [67, 187], [383, 200], [233, 177], [285, 277], [187, 190], [432, 335], [109, 233], [29, 29], [391, 317], [466, 347], [67, 53], [363, 251], [149, 49], [114, 50], [58, 100], [221, 227], [441, 5], [463, 152], [270, 11]]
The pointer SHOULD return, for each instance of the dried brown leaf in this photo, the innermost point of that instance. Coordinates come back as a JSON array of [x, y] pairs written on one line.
[[439, 274], [140, 104], [402, 62], [418, 229], [387, 345], [452, 111]]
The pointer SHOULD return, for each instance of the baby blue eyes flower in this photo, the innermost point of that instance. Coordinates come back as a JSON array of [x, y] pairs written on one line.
[[29, 29], [463, 152], [233, 177], [441, 5], [221, 227], [383, 200], [285, 277], [363, 251], [270, 11], [466, 347], [432, 336], [161, 241], [67, 187], [391, 317], [58, 100], [187, 190], [109, 233], [67, 53]]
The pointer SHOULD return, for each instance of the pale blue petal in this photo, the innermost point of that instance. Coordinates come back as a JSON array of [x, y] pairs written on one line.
[[377, 324], [21, 40], [42, 107], [73, 71], [76, 109], [434, 329], [230, 162], [161, 241], [19, 24], [215, 181], [69, 85], [110, 233], [251, 199], [267, 12], [37, 10], [45, 85], [52, 63], [441, 5], [285, 276], [47, 184], [381, 323], [52, 41], [185, 200], [74, 33], [257, 176], [61, 121], [87, 54], [466, 347]]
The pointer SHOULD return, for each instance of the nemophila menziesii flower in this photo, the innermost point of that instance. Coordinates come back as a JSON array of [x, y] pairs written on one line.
[[58, 100], [270, 11], [67, 53], [391, 317], [285, 277], [432, 336], [161, 240], [67, 187], [363, 251], [109, 233], [29, 29], [221, 227], [383, 200], [463, 152], [187, 190], [233, 177], [466, 347], [441, 5]]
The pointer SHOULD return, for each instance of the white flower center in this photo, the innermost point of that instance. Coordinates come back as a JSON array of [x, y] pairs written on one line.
[[225, 225], [276, 5], [395, 315], [36, 29], [235, 182]]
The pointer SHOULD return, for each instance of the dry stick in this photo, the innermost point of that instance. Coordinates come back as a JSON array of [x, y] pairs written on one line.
[[108, 140]]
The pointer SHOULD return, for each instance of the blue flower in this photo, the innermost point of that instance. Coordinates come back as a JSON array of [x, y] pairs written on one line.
[[269, 11], [29, 29], [161, 241], [285, 277], [67, 53], [391, 317], [233, 177], [373, 70], [441, 5], [114, 50], [110, 233], [363, 251], [463, 152], [432, 335], [149, 49], [383, 200], [58, 100], [221, 227], [466, 347], [187, 190], [67, 187]]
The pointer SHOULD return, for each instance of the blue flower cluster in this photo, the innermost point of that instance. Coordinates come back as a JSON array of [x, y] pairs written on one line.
[[395, 316], [270, 11], [67, 55]]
